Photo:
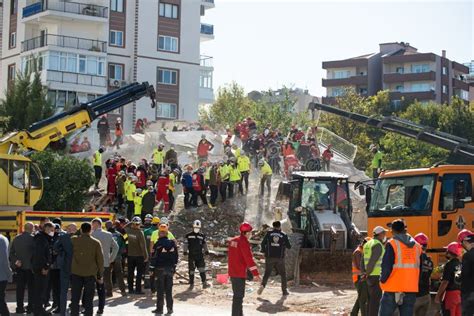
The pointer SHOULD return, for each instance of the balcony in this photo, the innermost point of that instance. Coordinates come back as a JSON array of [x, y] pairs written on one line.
[[460, 84], [206, 61], [207, 32], [346, 63], [349, 81], [413, 76], [62, 10], [64, 41], [75, 78], [207, 4], [419, 95], [410, 58]]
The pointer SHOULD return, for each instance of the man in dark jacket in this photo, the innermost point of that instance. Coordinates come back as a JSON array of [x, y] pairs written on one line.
[[171, 158], [21, 252], [165, 259], [103, 129], [63, 247], [466, 239], [273, 246], [41, 263]]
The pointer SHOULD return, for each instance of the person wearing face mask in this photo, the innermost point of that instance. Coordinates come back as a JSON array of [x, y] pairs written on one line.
[[400, 272], [195, 247], [240, 263], [466, 240], [371, 267], [41, 263], [449, 291]]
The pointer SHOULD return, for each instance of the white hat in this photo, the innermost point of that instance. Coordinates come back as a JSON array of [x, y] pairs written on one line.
[[379, 229], [197, 224]]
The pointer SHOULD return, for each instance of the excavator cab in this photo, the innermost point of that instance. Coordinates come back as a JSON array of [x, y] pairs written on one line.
[[24, 182]]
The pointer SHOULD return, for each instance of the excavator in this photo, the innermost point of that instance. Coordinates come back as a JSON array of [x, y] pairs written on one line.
[[21, 179], [436, 200]]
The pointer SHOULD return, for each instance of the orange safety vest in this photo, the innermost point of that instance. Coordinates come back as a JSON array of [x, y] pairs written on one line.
[[406, 268], [355, 268]]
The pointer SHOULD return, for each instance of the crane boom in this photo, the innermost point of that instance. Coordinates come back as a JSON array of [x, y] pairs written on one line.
[[458, 146], [40, 134]]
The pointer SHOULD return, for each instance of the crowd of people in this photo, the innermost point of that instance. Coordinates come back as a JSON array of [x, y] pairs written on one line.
[[395, 274]]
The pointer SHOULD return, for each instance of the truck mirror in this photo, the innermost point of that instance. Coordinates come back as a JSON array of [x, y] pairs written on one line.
[[368, 196], [361, 190]]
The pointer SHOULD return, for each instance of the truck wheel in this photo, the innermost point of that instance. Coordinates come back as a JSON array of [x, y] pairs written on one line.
[[291, 255]]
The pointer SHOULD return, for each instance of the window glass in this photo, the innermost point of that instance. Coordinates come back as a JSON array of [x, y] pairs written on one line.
[[119, 38], [91, 65], [420, 68], [168, 10], [35, 180], [72, 63], [166, 110], [82, 64], [447, 189], [61, 101], [317, 195], [4, 166], [17, 175], [53, 61], [52, 97]]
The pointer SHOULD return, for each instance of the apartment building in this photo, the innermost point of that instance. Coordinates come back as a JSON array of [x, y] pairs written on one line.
[[398, 67], [86, 48]]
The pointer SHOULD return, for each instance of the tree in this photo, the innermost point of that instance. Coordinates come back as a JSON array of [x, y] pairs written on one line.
[[25, 102], [68, 180]]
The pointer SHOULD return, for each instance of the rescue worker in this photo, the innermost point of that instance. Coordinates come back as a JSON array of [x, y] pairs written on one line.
[[97, 162], [466, 240], [172, 188], [148, 200], [236, 151], [235, 177], [449, 291], [376, 164], [423, 298], [199, 187], [158, 157], [151, 224], [213, 184], [265, 177], [164, 261], [130, 192], [187, 183], [243, 163], [372, 268], [203, 149], [171, 158], [400, 272], [239, 261], [327, 157], [195, 247], [359, 282], [137, 203], [224, 175], [103, 129], [137, 255], [273, 246]]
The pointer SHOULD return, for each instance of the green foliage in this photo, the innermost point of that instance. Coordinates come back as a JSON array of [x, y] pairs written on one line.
[[69, 180], [25, 102]]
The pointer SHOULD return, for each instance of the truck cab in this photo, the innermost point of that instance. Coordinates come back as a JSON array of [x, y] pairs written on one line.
[[437, 201]]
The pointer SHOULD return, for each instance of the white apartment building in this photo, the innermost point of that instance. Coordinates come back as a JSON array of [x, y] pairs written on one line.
[[87, 48]]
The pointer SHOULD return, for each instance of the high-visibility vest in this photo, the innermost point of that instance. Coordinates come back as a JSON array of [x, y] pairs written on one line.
[[137, 201], [224, 172], [172, 182], [207, 174], [406, 268], [266, 170], [97, 159], [243, 162], [368, 253], [131, 191], [237, 152], [158, 156], [234, 174], [355, 268]]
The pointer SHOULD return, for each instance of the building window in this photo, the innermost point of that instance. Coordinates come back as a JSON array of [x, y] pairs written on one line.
[[116, 72], [205, 79], [168, 43], [340, 74], [420, 68], [11, 72], [447, 189], [116, 38], [166, 76], [116, 5], [13, 7], [445, 89], [70, 62], [337, 92], [445, 70], [168, 10], [12, 43], [166, 110], [400, 70], [420, 87], [399, 88]]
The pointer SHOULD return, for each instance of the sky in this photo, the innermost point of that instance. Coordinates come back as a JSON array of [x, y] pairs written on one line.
[[263, 44]]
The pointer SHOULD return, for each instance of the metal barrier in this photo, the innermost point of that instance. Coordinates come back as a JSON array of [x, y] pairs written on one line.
[[340, 146], [64, 41], [69, 7]]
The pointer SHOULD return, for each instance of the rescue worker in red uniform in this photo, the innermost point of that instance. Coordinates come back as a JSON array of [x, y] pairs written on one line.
[[199, 187], [241, 266], [162, 187], [400, 272], [203, 149]]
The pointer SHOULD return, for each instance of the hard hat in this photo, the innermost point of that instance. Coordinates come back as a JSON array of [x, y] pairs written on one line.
[[155, 220], [227, 149], [203, 136], [221, 162], [136, 220], [245, 227], [139, 190], [201, 169], [261, 162], [197, 224], [164, 220], [242, 153], [422, 239], [372, 147], [234, 146], [454, 248], [149, 182], [119, 119], [463, 234], [232, 159], [176, 171], [379, 229], [148, 216], [163, 228], [161, 145], [134, 178]]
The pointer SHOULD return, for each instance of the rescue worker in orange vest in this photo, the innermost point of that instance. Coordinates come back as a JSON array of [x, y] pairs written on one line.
[[359, 282], [400, 272]]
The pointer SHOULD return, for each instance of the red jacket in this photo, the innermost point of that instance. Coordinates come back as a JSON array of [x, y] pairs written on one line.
[[162, 184], [203, 148], [240, 258]]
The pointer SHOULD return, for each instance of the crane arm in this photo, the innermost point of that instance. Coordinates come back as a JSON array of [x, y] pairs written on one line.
[[457, 145], [39, 135]]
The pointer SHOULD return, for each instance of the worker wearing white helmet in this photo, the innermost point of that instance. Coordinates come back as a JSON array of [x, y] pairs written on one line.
[[196, 247]]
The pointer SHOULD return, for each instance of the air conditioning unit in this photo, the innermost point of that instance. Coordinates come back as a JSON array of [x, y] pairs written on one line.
[[115, 83]]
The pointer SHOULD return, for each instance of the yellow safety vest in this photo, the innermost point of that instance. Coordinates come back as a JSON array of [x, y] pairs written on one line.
[[266, 170], [234, 174], [224, 172], [368, 253], [138, 204], [243, 162], [131, 191], [158, 156], [97, 159], [237, 153], [207, 174], [172, 182]]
